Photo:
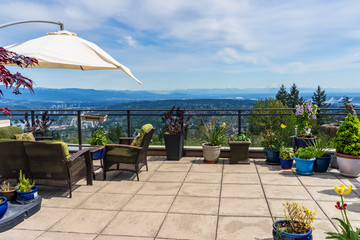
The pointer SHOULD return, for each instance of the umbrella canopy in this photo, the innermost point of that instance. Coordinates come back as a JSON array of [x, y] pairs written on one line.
[[64, 49]]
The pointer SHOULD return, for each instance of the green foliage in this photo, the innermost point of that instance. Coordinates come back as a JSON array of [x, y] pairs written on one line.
[[286, 153], [346, 232], [241, 137], [99, 137], [114, 133], [282, 95], [271, 140], [294, 98], [347, 140], [24, 183], [214, 133], [320, 146], [319, 98], [306, 153]]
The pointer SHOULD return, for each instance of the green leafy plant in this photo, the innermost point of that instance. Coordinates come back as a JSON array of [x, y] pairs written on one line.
[[320, 146], [347, 140], [303, 114], [24, 184], [306, 153], [271, 139], [286, 153], [241, 137], [214, 133], [99, 137]]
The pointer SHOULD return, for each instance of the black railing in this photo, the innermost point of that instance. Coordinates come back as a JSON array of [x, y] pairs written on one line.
[[128, 113]]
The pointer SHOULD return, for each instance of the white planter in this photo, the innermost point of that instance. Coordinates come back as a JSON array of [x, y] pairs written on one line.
[[349, 165], [211, 154]]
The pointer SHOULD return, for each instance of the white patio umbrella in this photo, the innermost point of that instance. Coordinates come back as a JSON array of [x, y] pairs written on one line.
[[64, 49]]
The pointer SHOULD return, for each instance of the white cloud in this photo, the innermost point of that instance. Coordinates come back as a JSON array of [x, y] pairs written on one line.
[[129, 41]]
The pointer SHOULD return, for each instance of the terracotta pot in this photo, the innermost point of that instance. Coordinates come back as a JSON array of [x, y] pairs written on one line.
[[349, 165]]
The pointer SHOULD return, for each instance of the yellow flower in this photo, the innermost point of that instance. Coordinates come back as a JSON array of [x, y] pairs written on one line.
[[283, 126], [341, 189], [223, 125]]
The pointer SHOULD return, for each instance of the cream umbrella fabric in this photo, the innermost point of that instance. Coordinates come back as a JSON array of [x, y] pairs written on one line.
[[64, 49]]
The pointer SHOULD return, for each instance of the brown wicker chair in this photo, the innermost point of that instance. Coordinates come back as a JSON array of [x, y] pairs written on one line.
[[127, 157], [45, 163]]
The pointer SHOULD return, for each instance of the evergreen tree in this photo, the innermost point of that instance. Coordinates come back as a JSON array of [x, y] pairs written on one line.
[[319, 98], [115, 133], [294, 98], [282, 95]]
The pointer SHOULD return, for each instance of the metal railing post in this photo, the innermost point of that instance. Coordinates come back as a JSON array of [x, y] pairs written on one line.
[[128, 123], [79, 127], [239, 122], [32, 118]]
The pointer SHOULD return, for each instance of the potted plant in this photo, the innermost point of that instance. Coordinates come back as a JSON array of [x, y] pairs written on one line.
[[26, 192], [7, 191], [39, 126], [286, 157], [323, 159], [304, 159], [298, 223], [215, 136], [272, 147], [347, 145], [99, 138], [93, 117], [303, 114], [239, 148], [174, 136], [3, 206]]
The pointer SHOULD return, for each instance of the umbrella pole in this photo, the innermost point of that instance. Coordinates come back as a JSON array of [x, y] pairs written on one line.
[[32, 21]]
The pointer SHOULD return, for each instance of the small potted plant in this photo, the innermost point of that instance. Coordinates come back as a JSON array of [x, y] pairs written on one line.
[[26, 192], [239, 148], [7, 191], [215, 136], [272, 147], [39, 127], [175, 124], [322, 158], [298, 223], [286, 157], [3, 206], [304, 159], [347, 145], [99, 138]]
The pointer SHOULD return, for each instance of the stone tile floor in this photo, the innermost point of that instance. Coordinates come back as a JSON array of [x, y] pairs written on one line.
[[186, 200]]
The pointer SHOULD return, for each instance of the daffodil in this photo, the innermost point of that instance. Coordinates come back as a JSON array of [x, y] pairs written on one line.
[[341, 189], [283, 126], [223, 125]]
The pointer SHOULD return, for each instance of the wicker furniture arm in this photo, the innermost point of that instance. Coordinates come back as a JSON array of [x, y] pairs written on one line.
[[126, 140]]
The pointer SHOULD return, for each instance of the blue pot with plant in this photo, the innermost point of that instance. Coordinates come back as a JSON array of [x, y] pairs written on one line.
[[272, 142], [322, 159], [3, 206], [286, 157], [99, 139], [26, 192], [305, 159]]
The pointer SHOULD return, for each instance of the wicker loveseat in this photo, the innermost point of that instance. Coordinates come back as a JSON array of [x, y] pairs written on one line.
[[46, 163]]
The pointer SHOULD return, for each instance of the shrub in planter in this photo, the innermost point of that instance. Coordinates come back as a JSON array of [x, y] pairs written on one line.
[[272, 144], [99, 138], [286, 157], [305, 158], [239, 148], [26, 192]]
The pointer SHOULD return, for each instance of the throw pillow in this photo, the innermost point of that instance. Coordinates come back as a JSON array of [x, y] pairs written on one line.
[[25, 137]]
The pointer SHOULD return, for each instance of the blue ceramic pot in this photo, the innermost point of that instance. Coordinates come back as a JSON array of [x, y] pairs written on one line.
[[98, 155], [303, 142], [27, 197], [272, 156], [3, 206], [322, 163], [304, 166], [286, 163], [290, 236]]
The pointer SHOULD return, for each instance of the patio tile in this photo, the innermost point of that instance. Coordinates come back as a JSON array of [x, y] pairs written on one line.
[[82, 187], [207, 168], [262, 168], [174, 167], [239, 168], [149, 203], [84, 221], [185, 160], [244, 228], [185, 226], [67, 236], [154, 166], [200, 190], [16, 234], [130, 176], [286, 192], [108, 237], [241, 178], [168, 177], [280, 178], [160, 188], [242, 191], [320, 179], [106, 201], [329, 194], [43, 219], [66, 202], [125, 187], [244, 207], [200, 177], [140, 224], [195, 205], [352, 209], [321, 228]]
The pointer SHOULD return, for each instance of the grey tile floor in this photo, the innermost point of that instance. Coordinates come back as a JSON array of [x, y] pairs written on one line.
[[186, 200]]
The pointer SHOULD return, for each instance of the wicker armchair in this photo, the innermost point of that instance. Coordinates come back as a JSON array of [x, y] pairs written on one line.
[[127, 157], [45, 163]]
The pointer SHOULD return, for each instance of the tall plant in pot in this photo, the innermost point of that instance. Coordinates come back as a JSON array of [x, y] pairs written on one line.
[[175, 124], [272, 142], [239, 148], [215, 136], [26, 192], [99, 138], [323, 159], [305, 159], [347, 145]]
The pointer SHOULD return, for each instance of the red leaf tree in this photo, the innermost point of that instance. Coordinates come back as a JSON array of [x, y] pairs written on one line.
[[14, 81]]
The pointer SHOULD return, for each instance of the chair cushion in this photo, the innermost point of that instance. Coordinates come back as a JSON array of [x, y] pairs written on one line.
[[63, 144], [116, 154], [25, 137], [9, 132], [139, 138], [136, 139], [7, 140]]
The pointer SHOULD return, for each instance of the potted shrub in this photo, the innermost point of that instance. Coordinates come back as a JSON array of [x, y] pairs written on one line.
[[323, 159], [304, 159], [272, 147], [39, 127], [215, 136], [99, 138], [7, 191], [174, 136], [347, 145], [286, 157], [239, 148], [303, 114], [3, 206], [26, 192], [298, 223]]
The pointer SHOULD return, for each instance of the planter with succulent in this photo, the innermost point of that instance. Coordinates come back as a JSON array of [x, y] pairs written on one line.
[[3, 206], [272, 146], [39, 127], [7, 191], [298, 223], [26, 192], [286, 157], [323, 159], [239, 148], [347, 145], [304, 159], [215, 136], [175, 124], [99, 138]]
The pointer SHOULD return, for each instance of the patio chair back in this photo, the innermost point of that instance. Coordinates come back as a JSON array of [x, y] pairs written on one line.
[[13, 158]]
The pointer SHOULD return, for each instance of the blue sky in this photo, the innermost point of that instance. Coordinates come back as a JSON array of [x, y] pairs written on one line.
[[172, 44]]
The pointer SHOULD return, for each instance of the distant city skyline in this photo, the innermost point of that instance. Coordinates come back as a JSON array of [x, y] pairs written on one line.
[[182, 44]]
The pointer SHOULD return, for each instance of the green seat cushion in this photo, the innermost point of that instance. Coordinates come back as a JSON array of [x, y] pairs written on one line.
[[9, 132], [7, 140], [63, 145], [125, 154], [139, 139]]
